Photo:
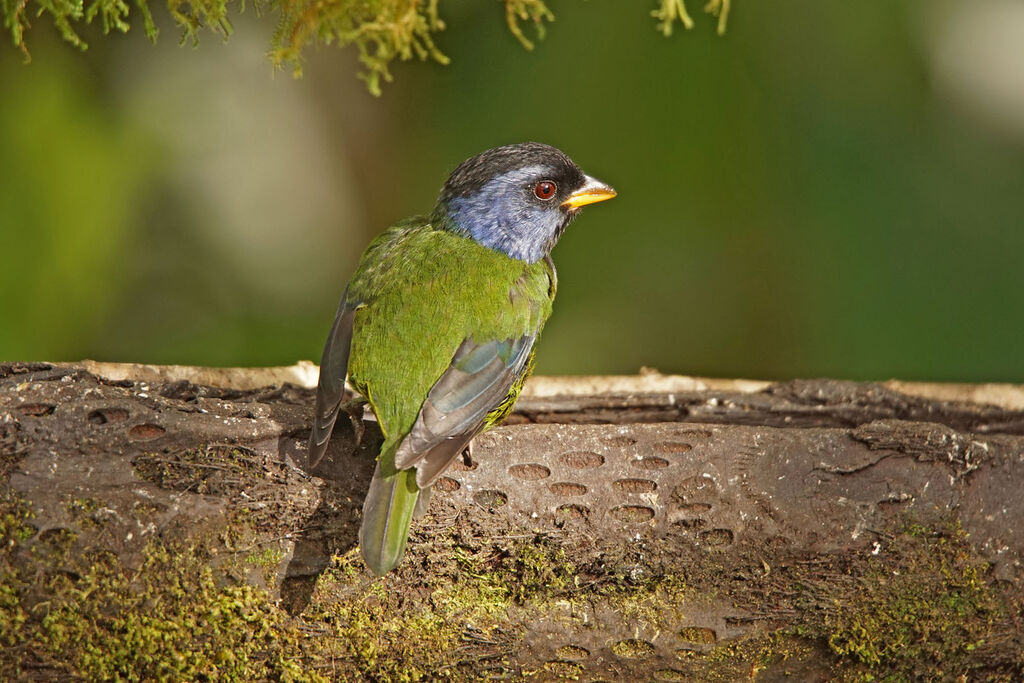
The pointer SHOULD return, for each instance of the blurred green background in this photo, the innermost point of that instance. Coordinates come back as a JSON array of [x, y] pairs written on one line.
[[830, 189]]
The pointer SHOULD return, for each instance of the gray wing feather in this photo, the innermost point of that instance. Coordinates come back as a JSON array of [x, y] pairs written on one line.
[[477, 380], [331, 386], [422, 504], [433, 463]]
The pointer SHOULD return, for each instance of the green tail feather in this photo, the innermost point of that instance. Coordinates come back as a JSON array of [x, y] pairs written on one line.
[[387, 514]]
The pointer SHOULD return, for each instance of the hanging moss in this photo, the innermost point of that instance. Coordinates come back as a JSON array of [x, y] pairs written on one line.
[[381, 30]]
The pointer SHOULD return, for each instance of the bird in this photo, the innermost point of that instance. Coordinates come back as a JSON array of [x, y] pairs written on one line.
[[437, 326]]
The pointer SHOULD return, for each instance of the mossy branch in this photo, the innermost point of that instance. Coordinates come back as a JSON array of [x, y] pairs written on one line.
[[142, 539], [381, 30]]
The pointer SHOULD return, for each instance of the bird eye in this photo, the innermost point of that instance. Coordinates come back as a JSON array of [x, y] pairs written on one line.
[[545, 189]]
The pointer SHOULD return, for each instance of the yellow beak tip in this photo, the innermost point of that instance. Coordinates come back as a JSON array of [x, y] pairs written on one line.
[[589, 195]]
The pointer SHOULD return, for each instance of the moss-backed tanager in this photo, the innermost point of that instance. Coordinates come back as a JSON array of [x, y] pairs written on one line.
[[437, 326]]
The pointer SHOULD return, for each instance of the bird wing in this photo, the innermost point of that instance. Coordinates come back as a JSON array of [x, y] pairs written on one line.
[[331, 386], [478, 378], [443, 333]]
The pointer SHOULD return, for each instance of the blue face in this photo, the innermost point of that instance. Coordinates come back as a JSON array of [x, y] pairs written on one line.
[[518, 212]]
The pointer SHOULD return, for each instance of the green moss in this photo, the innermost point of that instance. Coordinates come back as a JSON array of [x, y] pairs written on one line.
[[268, 561], [571, 652], [653, 604], [268, 557], [82, 614], [454, 608], [384, 644], [12, 615], [14, 531], [745, 658], [922, 610], [475, 605], [170, 620], [14, 516], [537, 568], [563, 669], [213, 469], [83, 506], [699, 636], [473, 587], [633, 649], [920, 614], [143, 509], [86, 513], [371, 635], [916, 612]]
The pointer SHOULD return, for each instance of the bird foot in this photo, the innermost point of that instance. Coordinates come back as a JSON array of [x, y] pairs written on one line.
[[467, 455], [355, 409]]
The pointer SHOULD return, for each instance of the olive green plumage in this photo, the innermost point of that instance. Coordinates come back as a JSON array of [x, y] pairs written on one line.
[[437, 326], [413, 279], [416, 279]]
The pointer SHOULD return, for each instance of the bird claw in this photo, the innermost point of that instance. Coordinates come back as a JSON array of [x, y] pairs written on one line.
[[355, 409]]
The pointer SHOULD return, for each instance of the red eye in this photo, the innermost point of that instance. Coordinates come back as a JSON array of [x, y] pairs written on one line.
[[545, 189]]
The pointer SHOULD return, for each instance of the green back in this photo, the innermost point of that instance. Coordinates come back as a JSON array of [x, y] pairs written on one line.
[[420, 293]]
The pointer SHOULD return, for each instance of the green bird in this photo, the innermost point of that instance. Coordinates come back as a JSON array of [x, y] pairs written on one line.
[[437, 326]]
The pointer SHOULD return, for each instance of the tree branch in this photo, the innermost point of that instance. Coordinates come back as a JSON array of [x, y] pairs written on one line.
[[162, 519]]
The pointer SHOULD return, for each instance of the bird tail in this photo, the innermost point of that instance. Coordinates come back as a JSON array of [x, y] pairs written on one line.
[[387, 514]]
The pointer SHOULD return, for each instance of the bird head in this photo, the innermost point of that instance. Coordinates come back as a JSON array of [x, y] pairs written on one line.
[[517, 199]]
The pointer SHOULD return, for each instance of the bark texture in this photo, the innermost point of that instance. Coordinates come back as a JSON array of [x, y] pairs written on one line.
[[643, 528]]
